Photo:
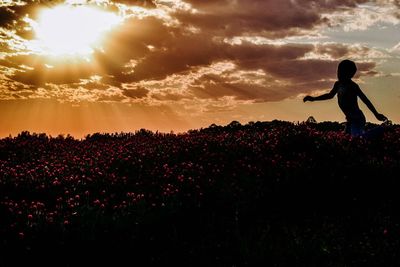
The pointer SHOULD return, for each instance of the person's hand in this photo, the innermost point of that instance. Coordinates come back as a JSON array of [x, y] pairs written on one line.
[[381, 117], [308, 98]]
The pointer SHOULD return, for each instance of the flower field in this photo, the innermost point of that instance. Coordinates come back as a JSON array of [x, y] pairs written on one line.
[[266, 192]]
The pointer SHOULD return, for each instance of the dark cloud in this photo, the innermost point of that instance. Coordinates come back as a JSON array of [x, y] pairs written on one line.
[[216, 88], [253, 56], [334, 50], [149, 49], [175, 51], [139, 92], [183, 53], [169, 96], [272, 18], [143, 3], [92, 85], [132, 41], [41, 71], [6, 16], [301, 70]]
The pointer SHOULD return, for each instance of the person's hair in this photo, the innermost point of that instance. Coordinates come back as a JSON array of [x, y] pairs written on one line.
[[347, 69]]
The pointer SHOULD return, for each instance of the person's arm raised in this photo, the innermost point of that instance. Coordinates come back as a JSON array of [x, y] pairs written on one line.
[[326, 96]]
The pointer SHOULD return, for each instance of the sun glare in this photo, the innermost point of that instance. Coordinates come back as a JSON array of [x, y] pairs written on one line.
[[72, 30]]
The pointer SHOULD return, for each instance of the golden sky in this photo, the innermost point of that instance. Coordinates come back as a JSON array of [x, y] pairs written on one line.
[[83, 66]]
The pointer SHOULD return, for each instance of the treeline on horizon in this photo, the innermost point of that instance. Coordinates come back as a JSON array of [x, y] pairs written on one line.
[[213, 128]]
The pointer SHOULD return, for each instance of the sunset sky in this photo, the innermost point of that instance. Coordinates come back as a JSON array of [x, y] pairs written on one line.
[[83, 66]]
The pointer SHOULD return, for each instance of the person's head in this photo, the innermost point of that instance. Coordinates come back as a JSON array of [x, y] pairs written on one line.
[[346, 70]]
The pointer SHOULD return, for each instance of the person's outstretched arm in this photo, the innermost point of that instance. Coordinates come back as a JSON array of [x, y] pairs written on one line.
[[371, 107], [326, 96]]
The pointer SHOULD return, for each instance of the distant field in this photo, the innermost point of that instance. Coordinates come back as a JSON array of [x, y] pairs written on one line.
[[265, 192]]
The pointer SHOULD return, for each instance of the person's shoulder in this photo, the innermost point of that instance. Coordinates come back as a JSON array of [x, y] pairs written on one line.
[[336, 84], [353, 83]]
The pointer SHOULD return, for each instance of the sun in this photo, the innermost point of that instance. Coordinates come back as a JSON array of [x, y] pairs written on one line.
[[68, 30]]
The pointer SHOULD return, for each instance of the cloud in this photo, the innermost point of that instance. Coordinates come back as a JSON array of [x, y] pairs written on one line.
[[37, 71], [139, 92], [143, 3], [273, 19], [277, 81], [364, 17], [181, 51], [396, 48]]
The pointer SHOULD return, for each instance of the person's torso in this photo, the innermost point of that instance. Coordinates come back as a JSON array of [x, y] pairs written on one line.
[[347, 99]]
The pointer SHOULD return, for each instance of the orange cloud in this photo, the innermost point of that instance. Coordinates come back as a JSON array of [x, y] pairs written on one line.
[[164, 57]]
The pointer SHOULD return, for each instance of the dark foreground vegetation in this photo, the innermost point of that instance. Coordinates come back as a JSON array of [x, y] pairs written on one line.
[[265, 193]]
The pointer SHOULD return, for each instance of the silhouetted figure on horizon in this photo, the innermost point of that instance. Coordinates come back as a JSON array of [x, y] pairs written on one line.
[[348, 91]]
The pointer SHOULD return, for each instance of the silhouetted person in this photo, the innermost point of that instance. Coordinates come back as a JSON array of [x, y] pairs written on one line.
[[348, 91]]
